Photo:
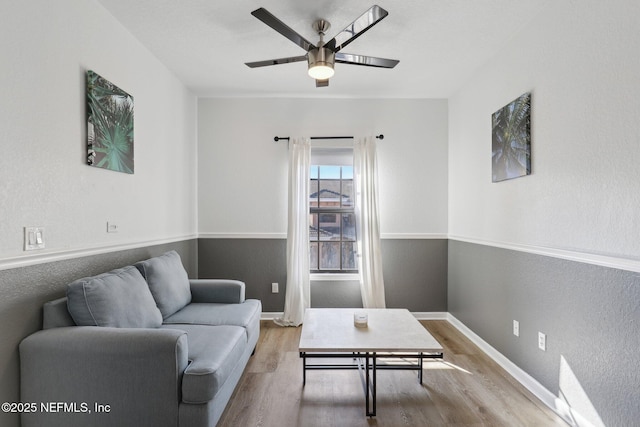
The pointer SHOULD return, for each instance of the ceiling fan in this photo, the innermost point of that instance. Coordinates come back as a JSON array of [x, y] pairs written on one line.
[[322, 56]]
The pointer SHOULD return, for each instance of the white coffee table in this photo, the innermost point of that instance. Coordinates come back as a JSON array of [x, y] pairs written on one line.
[[391, 333]]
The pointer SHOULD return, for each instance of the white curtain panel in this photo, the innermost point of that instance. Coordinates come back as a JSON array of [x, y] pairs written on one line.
[[298, 288], [365, 171]]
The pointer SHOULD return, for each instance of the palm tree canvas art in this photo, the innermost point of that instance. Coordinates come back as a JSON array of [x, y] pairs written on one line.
[[109, 125], [511, 142]]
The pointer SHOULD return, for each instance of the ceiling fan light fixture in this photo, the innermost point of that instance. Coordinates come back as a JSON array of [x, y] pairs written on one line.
[[321, 62], [321, 72]]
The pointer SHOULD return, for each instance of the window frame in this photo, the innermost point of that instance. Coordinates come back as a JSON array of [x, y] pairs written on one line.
[[341, 273]]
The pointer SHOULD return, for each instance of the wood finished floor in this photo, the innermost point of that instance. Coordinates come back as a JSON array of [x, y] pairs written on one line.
[[467, 388]]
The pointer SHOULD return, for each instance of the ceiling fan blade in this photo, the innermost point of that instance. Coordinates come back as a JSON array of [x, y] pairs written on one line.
[[276, 61], [265, 16], [322, 83], [358, 27], [368, 61]]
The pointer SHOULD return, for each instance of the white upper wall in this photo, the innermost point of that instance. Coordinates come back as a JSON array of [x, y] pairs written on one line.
[[243, 172], [581, 63], [44, 179]]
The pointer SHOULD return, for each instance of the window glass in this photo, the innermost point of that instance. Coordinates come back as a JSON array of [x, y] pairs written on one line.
[[332, 230]]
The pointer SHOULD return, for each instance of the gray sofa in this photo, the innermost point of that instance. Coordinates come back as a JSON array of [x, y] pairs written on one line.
[[139, 346]]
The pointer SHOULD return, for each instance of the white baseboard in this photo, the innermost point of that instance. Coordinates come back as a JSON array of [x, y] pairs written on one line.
[[423, 315], [271, 315], [431, 315]]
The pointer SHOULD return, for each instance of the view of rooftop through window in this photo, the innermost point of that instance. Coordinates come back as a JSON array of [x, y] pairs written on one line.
[[332, 222]]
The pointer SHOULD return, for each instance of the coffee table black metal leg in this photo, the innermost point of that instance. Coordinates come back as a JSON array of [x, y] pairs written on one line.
[[367, 385], [304, 368], [375, 383], [370, 377]]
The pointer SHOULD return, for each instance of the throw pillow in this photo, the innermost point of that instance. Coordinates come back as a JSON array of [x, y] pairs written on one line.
[[119, 298]]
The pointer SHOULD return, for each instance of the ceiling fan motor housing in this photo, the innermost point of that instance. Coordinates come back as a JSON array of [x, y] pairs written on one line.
[[321, 60]]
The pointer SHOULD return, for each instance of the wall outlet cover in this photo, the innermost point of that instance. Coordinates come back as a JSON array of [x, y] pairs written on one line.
[[542, 341]]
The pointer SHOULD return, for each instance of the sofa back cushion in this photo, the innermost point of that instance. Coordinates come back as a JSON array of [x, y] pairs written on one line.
[[118, 298], [168, 282], [55, 314]]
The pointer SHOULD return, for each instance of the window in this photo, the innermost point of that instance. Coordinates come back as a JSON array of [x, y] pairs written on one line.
[[332, 231]]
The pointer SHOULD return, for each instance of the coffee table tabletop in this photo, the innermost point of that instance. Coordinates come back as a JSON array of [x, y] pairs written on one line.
[[388, 330]]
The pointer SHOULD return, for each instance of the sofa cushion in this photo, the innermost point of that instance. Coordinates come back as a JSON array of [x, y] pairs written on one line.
[[119, 298], [211, 313], [214, 352], [168, 282]]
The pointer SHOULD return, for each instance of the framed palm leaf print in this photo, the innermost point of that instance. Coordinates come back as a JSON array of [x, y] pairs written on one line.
[[109, 125], [511, 140]]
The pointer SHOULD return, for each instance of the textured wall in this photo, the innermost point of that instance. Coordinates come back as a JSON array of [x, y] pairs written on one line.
[[580, 62], [242, 173], [44, 179], [24, 290], [590, 315], [257, 262], [415, 273]]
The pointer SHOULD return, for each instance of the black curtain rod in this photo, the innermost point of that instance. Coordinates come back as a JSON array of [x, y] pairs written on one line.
[[286, 138]]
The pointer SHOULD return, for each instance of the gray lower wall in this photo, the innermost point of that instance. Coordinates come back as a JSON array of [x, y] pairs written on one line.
[[257, 262], [415, 273], [25, 289], [590, 315]]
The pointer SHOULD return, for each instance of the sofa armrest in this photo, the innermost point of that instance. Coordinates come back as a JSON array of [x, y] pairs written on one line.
[[217, 290], [136, 373]]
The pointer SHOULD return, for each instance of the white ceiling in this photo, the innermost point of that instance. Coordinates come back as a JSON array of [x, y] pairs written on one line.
[[439, 43]]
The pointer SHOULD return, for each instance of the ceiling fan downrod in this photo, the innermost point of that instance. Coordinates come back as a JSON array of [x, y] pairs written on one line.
[[320, 59]]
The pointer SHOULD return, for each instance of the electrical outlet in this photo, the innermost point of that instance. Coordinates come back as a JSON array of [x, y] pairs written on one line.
[[274, 288], [516, 328], [112, 227], [542, 341]]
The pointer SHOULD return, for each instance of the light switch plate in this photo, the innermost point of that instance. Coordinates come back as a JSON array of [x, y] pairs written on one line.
[[33, 238]]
